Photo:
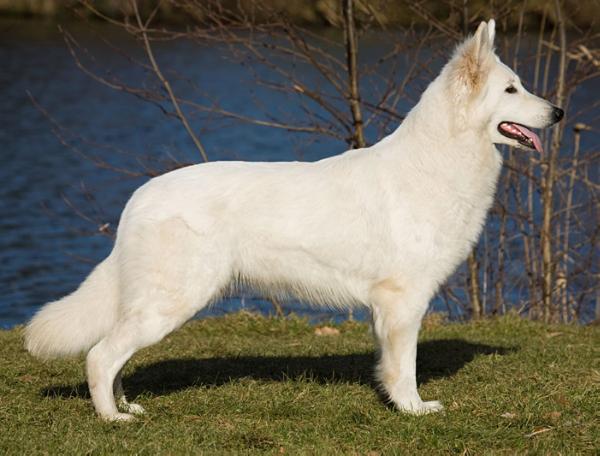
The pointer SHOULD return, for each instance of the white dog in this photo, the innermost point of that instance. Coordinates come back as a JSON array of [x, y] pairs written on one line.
[[381, 227]]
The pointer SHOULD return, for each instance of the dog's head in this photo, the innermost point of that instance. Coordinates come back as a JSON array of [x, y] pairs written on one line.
[[490, 97]]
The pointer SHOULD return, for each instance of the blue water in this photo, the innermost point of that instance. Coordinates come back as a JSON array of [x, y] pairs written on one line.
[[54, 198], [46, 248]]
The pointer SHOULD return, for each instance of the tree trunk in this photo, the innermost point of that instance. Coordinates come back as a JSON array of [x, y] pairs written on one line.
[[358, 139], [476, 309], [548, 263]]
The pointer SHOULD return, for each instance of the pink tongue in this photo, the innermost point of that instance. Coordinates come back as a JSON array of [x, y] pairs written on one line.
[[531, 135]]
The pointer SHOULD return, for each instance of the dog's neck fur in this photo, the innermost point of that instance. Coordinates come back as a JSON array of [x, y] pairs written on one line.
[[434, 121]]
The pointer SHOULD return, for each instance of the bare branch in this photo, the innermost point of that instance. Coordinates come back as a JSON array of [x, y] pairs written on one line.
[[165, 82]]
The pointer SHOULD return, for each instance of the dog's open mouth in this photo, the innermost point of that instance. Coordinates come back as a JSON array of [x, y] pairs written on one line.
[[522, 134]]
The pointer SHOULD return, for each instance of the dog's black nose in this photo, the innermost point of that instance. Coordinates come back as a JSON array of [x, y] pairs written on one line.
[[557, 114]]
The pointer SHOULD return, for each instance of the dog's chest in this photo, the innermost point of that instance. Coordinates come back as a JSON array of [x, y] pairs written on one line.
[[461, 212], [444, 217]]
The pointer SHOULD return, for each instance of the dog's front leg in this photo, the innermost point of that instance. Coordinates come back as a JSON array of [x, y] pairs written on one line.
[[397, 315]]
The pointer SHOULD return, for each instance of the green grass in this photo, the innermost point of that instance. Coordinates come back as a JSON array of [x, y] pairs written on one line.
[[247, 384]]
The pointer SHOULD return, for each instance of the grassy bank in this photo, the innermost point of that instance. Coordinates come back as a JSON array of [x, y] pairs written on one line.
[[246, 384]]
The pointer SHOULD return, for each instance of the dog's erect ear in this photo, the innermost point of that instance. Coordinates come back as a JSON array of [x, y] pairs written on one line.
[[484, 41], [471, 64], [480, 49], [472, 59]]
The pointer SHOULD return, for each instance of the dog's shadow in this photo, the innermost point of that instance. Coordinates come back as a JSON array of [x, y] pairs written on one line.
[[436, 359]]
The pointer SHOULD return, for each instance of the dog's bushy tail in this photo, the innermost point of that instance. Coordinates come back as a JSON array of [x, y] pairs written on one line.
[[78, 321]]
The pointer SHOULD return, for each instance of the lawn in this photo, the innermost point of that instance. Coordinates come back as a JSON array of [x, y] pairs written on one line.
[[255, 385]]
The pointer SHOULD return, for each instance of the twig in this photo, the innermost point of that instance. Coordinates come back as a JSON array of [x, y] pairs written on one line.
[[165, 82]]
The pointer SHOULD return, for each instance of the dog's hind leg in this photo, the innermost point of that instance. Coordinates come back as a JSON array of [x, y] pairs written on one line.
[[397, 315], [170, 275], [143, 328], [107, 358]]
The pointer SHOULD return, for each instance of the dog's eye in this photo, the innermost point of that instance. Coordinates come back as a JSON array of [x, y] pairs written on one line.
[[511, 89]]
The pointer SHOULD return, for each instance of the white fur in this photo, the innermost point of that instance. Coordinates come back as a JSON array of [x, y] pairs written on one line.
[[381, 227]]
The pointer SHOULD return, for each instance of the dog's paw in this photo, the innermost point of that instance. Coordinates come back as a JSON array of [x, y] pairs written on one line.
[[136, 409], [119, 417], [432, 406], [419, 407], [130, 407]]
